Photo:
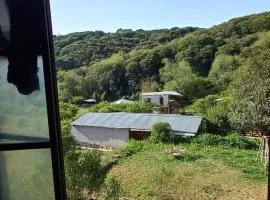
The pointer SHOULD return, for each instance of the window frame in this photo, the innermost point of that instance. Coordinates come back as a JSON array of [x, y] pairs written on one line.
[[55, 142]]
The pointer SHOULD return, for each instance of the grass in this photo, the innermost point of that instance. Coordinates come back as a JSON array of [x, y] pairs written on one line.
[[202, 172]]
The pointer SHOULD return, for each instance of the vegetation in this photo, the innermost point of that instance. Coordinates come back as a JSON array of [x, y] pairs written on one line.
[[215, 64], [151, 173], [251, 106], [79, 49], [162, 132], [224, 74], [83, 173]]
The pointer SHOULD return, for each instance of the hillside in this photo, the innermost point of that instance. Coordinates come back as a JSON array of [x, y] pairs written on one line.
[[223, 73], [77, 49], [202, 64], [131, 57]]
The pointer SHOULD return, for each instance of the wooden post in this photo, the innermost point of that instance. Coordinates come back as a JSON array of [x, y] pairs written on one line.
[[264, 151]]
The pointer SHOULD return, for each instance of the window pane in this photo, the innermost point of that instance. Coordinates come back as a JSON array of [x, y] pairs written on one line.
[[23, 118], [26, 174]]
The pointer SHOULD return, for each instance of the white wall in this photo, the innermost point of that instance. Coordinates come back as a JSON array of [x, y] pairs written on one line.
[[99, 137], [155, 99]]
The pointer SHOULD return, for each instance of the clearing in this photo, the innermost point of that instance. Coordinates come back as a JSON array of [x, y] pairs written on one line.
[[202, 172]]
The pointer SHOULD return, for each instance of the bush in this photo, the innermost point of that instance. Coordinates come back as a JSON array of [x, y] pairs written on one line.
[[67, 144], [97, 107], [83, 172], [134, 146], [78, 100], [67, 110], [215, 111], [112, 189], [209, 139], [136, 107], [108, 109], [242, 142], [232, 140], [162, 132]]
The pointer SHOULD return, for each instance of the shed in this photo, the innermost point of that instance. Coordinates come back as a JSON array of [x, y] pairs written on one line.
[[115, 129], [159, 98], [90, 101]]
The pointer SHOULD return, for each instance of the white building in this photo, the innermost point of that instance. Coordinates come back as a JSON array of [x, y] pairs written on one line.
[[115, 129], [159, 98]]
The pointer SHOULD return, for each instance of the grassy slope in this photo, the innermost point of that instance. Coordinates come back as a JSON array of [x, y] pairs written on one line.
[[202, 173]]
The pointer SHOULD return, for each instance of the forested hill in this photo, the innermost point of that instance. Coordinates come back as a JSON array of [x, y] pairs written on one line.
[[229, 62], [77, 49]]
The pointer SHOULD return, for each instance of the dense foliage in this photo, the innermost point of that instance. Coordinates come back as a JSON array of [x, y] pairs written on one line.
[[78, 49], [216, 69], [223, 72], [162, 132]]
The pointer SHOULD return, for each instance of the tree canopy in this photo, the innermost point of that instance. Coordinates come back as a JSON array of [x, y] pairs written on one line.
[[227, 63]]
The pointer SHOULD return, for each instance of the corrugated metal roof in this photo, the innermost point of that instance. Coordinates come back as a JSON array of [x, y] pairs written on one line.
[[122, 101], [173, 93], [90, 100], [143, 121]]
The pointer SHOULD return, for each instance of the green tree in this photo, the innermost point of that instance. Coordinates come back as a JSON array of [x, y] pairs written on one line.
[[69, 85], [222, 69], [162, 132], [179, 77], [251, 107]]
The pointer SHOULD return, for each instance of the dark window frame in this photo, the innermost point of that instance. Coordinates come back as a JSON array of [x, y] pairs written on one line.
[[55, 142]]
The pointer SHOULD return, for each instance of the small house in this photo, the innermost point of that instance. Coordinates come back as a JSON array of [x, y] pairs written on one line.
[[159, 98], [115, 129]]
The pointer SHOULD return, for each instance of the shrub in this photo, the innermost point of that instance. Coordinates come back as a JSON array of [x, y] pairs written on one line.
[[67, 144], [65, 127], [97, 107], [112, 189], [108, 109], [232, 140], [207, 127], [209, 139], [67, 111], [83, 172], [78, 100], [162, 132], [215, 113], [242, 142], [134, 146], [136, 107]]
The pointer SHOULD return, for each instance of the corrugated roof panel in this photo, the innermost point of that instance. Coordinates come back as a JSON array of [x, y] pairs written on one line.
[[179, 123], [173, 93]]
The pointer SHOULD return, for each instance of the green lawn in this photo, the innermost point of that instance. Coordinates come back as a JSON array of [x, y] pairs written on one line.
[[203, 172]]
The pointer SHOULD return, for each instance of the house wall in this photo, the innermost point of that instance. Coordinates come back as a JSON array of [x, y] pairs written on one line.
[[155, 99], [99, 137]]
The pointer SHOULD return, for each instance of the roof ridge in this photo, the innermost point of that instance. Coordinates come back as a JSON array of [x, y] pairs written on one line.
[[146, 114]]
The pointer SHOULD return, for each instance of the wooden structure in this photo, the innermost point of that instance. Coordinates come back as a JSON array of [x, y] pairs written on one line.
[[264, 151]]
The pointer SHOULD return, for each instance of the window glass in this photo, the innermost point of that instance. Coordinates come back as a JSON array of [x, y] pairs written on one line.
[[26, 174], [23, 118]]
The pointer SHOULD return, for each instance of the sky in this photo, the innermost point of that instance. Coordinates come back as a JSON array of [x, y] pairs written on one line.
[[109, 15]]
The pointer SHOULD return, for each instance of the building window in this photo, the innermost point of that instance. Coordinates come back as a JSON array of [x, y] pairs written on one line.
[[147, 100]]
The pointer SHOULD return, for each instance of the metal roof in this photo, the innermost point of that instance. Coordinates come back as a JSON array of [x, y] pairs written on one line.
[[172, 93], [90, 100], [122, 101], [141, 121]]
